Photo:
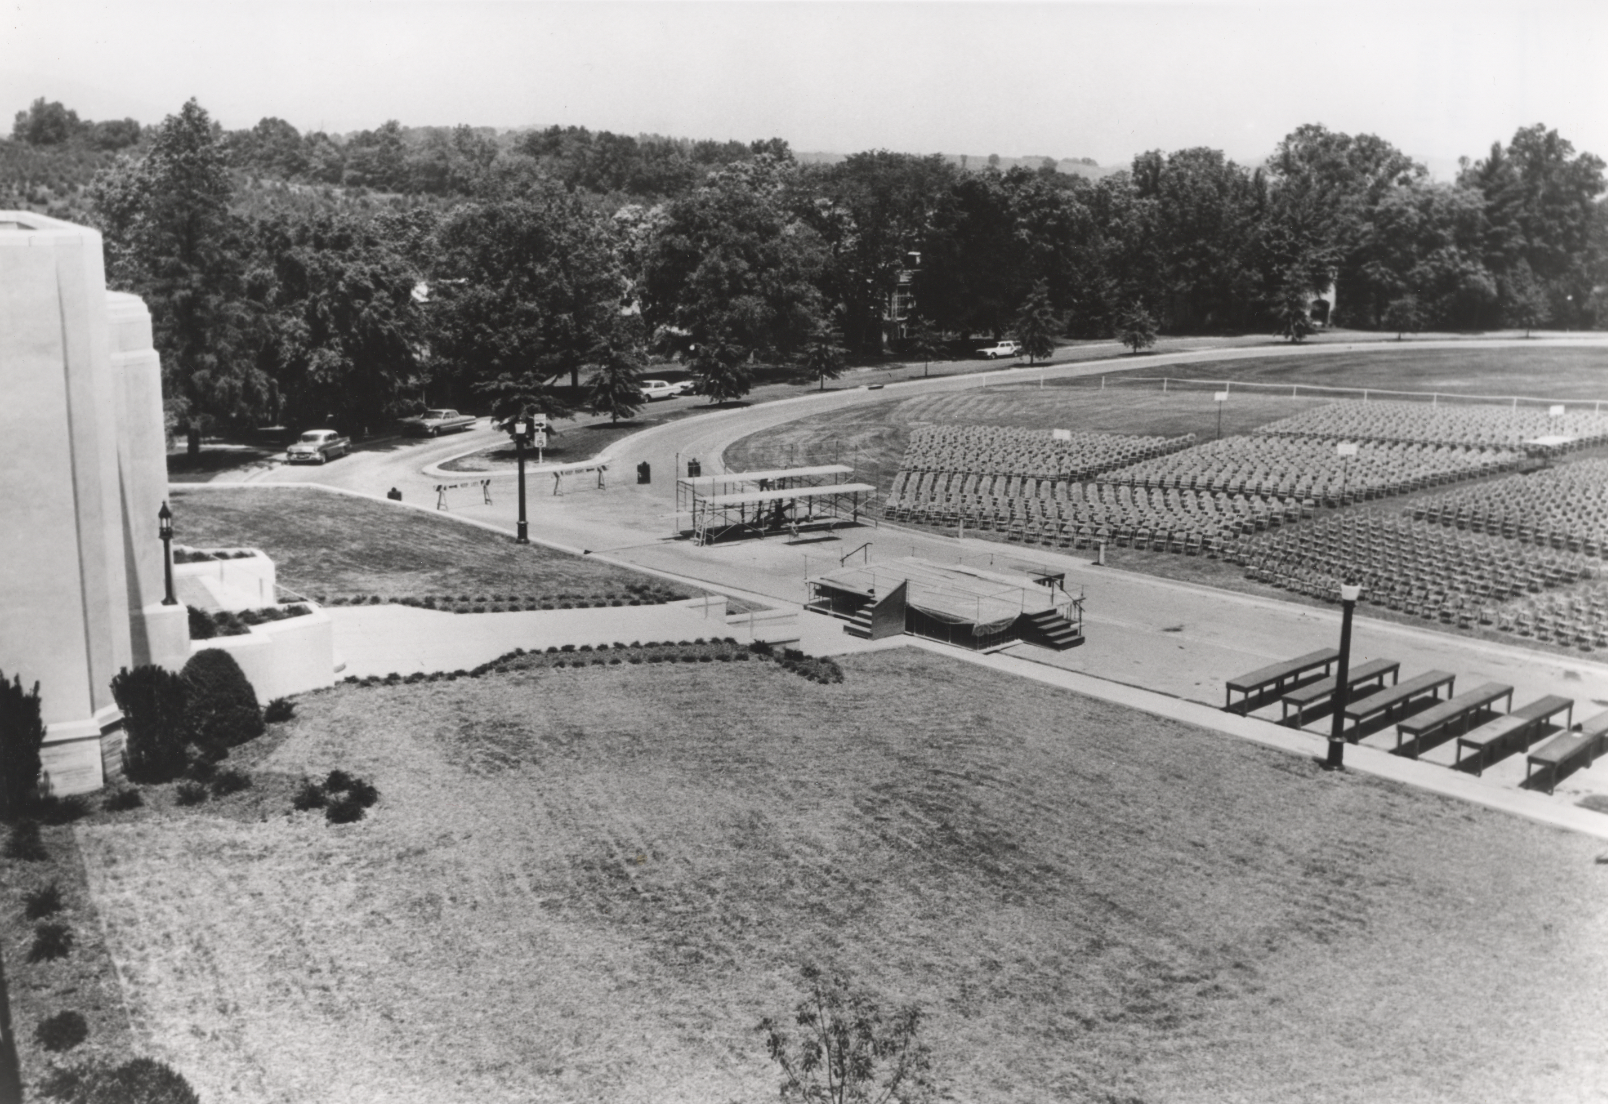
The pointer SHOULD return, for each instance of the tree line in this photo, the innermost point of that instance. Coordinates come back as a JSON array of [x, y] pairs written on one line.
[[295, 277]]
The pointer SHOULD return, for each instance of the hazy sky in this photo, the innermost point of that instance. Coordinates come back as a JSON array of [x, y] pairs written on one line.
[[1061, 80]]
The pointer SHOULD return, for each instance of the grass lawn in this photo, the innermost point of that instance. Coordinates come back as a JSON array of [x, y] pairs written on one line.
[[558, 901], [569, 445], [327, 545]]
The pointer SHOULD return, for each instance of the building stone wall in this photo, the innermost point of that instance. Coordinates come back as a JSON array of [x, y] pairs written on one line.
[[82, 475]]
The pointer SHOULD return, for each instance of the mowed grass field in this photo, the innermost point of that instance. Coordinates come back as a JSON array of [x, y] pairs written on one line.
[[589, 885], [330, 545]]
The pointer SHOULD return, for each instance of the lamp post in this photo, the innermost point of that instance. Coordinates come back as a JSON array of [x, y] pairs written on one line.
[[1349, 592], [164, 529], [1220, 397], [521, 430]]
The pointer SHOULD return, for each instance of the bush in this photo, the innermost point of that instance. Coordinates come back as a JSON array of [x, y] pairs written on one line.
[[119, 801], [153, 702], [280, 709], [139, 1081], [344, 811], [63, 1031], [51, 941], [22, 732], [202, 627], [24, 843], [337, 781], [190, 793], [362, 793], [230, 781], [201, 769], [309, 796], [222, 709], [41, 903]]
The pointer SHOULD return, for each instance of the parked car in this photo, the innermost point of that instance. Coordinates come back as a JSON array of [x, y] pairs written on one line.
[[684, 387], [657, 389], [1001, 349], [318, 446], [432, 423]]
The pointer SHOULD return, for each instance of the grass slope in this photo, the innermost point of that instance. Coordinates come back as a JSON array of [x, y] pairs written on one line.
[[337, 545], [585, 885]]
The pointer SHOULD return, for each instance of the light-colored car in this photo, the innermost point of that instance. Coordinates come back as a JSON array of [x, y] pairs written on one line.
[[435, 422], [657, 389], [318, 446], [1001, 349], [684, 387]]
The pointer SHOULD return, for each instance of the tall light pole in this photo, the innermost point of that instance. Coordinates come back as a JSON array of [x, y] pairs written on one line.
[[521, 431], [164, 529], [1221, 397], [1349, 593]]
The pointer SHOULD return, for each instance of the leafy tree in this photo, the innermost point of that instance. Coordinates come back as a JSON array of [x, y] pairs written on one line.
[[730, 271], [921, 340], [22, 733], [528, 282], [823, 356], [523, 396], [849, 1051], [1036, 324], [721, 367], [1403, 315], [1294, 312], [1135, 328], [616, 389], [973, 264], [45, 124], [1525, 303], [171, 238]]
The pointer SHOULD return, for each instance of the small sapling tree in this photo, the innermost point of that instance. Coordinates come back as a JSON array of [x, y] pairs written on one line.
[[847, 1049], [1135, 328]]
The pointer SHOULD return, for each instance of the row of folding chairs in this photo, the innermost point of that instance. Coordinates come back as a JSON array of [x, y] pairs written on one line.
[[1006, 450], [1474, 425], [1564, 507]]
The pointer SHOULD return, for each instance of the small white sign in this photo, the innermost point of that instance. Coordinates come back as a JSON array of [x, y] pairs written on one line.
[[1346, 448], [539, 439], [1061, 434], [1220, 396], [1555, 411]]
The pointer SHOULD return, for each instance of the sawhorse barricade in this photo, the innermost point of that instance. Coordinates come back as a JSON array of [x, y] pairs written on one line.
[[443, 488], [577, 469]]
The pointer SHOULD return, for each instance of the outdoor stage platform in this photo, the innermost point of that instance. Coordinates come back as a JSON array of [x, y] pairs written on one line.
[[971, 607], [786, 500]]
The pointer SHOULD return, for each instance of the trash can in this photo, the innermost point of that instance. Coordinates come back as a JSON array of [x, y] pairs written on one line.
[[644, 473], [694, 469]]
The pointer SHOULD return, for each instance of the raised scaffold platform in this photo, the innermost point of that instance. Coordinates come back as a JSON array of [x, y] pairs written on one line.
[[783, 500]]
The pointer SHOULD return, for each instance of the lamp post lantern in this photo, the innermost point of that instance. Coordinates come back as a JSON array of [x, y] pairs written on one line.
[[521, 431], [164, 529], [1349, 593]]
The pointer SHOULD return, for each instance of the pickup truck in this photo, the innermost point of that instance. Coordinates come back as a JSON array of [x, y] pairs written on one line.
[[318, 446], [435, 422], [1001, 349]]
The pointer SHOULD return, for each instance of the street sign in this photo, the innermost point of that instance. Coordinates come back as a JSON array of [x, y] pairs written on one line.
[[1555, 411], [539, 439]]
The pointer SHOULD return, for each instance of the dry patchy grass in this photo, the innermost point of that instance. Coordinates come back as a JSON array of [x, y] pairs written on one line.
[[337, 545], [586, 885]]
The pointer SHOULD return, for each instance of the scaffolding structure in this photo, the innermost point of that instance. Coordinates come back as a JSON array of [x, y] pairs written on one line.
[[784, 500]]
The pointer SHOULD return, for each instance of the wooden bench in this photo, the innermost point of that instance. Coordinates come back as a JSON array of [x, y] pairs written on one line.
[[1278, 678], [1453, 711], [1519, 726], [1386, 702], [1306, 697], [1565, 748]]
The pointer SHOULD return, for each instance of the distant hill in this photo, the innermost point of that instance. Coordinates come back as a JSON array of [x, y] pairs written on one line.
[[1075, 166]]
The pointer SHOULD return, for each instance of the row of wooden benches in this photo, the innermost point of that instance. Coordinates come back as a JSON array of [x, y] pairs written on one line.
[[1305, 683]]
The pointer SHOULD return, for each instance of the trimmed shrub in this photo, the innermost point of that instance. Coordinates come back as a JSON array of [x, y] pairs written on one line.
[[344, 811], [119, 801], [22, 732], [63, 1031], [189, 793], [363, 794], [24, 843], [222, 709], [202, 627], [41, 903], [51, 941], [310, 795], [338, 781], [280, 709], [138, 1081], [153, 702], [230, 781]]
